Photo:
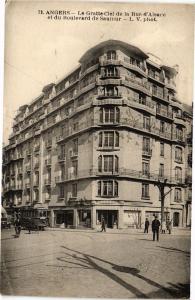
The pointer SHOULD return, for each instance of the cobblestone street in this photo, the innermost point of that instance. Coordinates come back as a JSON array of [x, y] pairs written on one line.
[[115, 264]]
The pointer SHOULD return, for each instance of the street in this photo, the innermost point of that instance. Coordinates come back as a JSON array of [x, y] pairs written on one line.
[[87, 263]]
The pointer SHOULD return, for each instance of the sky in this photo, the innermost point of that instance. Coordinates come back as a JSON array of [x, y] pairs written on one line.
[[39, 51]]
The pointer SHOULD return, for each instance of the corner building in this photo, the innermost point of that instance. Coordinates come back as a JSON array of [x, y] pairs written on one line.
[[95, 143]]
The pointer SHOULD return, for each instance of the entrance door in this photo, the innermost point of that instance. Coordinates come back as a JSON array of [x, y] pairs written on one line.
[[110, 216], [68, 218], [175, 219]]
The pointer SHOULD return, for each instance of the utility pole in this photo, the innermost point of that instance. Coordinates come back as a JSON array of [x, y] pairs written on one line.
[[161, 184]]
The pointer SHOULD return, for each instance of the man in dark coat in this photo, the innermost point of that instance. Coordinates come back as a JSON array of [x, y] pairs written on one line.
[[155, 228], [17, 225], [146, 226], [103, 225]]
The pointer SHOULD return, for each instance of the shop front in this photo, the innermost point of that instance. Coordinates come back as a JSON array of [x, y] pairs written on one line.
[[84, 218], [110, 217], [63, 218]]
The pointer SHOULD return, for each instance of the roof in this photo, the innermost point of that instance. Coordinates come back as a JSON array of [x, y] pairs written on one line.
[[115, 44]]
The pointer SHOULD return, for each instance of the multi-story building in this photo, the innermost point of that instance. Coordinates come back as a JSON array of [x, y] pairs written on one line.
[[96, 143]]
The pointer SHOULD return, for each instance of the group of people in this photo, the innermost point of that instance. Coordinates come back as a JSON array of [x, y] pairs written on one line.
[[156, 227]]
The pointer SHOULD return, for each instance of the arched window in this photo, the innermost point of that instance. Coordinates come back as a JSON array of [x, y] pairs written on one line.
[[178, 174]]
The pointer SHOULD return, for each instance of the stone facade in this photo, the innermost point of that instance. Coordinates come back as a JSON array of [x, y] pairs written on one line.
[[95, 144]]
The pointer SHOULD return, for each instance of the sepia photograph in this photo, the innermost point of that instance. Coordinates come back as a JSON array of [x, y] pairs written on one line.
[[96, 193]]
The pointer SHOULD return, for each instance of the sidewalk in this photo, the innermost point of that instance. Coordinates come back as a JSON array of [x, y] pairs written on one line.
[[131, 231]]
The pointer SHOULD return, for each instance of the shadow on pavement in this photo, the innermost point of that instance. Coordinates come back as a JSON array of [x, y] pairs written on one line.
[[171, 249], [177, 291], [91, 262]]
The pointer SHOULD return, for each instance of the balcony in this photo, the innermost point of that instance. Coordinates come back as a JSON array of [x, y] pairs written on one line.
[[135, 84], [60, 178], [108, 81], [85, 89], [188, 179], [114, 95], [27, 185], [19, 187], [179, 160], [73, 154], [160, 96], [89, 70], [190, 159], [107, 62], [178, 180], [36, 165], [164, 113], [36, 184], [170, 84], [20, 171], [180, 120], [47, 181], [29, 152], [147, 152], [107, 75], [156, 78], [36, 147], [12, 173], [48, 144], [48, 162], [126, 63], [179, 138], [141, 104], [61, 158], [28, 168]]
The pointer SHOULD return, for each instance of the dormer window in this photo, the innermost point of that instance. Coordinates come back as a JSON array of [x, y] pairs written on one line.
[[111, 55]]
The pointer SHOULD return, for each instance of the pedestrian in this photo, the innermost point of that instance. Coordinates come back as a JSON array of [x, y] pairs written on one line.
[[163, 226], [155, 228], [103, 225], [17, 225], [147, 224], [169, 226]]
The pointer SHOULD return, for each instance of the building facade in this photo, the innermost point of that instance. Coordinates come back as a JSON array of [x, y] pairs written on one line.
[[96, 143]]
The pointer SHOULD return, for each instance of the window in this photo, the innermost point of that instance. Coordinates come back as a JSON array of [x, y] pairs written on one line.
[[178, 196], [109, 91], [145, 190], [61, 192], [108, 163], [179, 133], [99, 188], [178, 174], [36, 178], [100, 139], [74, 190], [108, 188], [111, 54], [62, 171], [75, 167], [146, 144], [162, 126], [162, 149], [75, 146], [146, 122], [62, 150], [110, 71], [178, 154], [145, 168], [109, 139], [161, 170]]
